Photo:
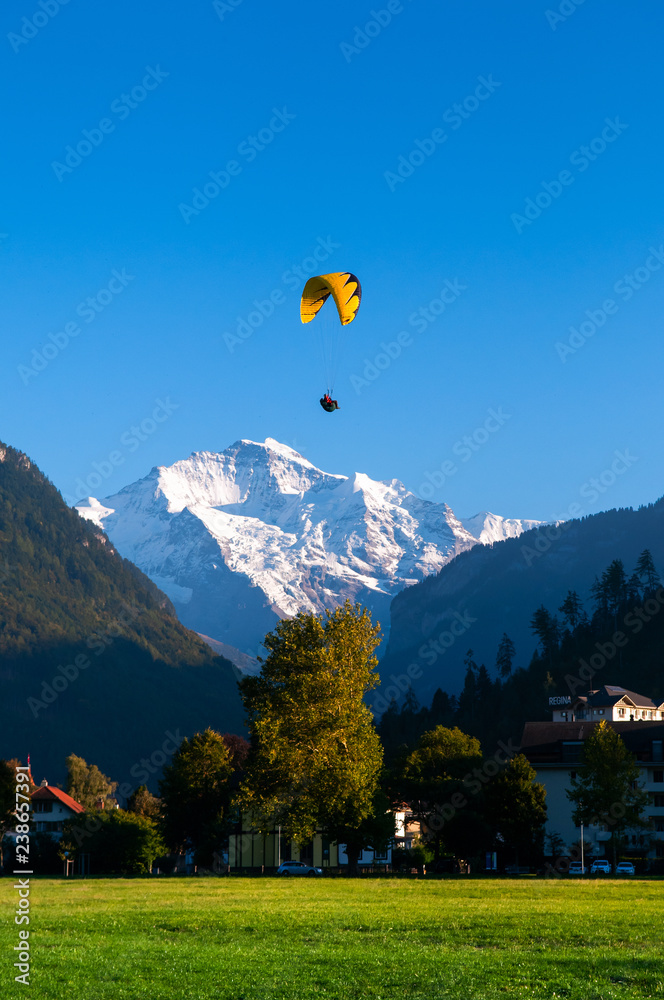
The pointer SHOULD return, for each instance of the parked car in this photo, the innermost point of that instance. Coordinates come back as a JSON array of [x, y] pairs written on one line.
[[625, 868], [576, 868], [297, 868], [601, 865]]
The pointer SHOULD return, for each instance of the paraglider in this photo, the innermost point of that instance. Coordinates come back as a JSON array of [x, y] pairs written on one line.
[[329, 404], [346, 293]]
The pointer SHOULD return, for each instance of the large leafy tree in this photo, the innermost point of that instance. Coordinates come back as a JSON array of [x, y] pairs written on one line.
[[315, 755], [196, 795], [121, 843], [434, 784], [607, 788], [516, 809], [86, 784], [143, 803]]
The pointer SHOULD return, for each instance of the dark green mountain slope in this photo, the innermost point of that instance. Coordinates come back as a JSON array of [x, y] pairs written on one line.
[[494, 589], [92, 658]]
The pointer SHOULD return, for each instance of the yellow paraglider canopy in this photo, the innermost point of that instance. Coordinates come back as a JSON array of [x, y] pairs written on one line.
[[344, 288]]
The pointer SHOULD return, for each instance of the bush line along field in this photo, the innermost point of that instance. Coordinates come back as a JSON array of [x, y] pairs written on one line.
[[269, 939]]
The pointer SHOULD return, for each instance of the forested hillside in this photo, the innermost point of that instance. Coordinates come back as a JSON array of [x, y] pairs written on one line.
[[92, 658]]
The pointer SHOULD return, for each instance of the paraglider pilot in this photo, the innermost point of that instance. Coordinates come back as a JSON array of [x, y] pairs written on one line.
[[328, 404]]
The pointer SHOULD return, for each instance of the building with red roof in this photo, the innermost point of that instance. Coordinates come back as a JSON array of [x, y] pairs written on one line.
[[51, 807]]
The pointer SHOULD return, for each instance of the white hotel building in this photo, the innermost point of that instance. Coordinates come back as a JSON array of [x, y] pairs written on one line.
[[554, 750]]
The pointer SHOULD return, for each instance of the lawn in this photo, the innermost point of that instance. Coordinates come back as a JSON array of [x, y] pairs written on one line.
[[263, 939]]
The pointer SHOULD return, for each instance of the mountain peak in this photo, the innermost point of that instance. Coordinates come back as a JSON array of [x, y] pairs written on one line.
[[243, 537]]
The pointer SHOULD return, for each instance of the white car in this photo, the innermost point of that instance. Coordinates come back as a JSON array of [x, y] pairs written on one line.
[[297, 868], [601, 865], [576, 868], [625, 868]]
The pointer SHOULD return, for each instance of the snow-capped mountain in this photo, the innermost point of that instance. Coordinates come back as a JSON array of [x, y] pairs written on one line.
[[242, 538], [489, 528]]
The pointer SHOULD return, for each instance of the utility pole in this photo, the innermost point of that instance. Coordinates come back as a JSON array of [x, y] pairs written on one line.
[[583, 866]]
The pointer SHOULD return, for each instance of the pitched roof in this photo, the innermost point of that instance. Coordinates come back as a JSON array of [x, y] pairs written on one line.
[[48, 792], [611, 694], [544, 740]]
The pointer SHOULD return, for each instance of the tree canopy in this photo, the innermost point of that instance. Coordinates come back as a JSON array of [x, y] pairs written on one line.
[[196, 795], [607, 787], [315, 755], [86, 784]]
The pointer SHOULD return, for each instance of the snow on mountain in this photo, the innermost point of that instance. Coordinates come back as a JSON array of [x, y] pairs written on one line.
[[488, 528], [256, 533]]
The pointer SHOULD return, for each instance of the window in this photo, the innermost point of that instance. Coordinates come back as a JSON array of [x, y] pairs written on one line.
[[572, 775], [657, 750], [658, 776], [621, 712], [380, 856], [658, 801], [659, 825], [42, 806], [572, 752]]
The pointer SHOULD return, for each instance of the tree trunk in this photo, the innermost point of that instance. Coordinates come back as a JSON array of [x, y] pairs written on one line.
[[353, 855]]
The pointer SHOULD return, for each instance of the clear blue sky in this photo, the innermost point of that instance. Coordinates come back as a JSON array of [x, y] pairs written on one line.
[[346, 115]]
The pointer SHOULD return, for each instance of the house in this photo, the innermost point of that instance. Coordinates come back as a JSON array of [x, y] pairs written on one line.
[[51, 807], [250, 849], [554, 751], [610, 702]]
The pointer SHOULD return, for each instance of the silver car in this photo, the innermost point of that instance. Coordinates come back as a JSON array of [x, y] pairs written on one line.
[[625, 868], [297, 868]]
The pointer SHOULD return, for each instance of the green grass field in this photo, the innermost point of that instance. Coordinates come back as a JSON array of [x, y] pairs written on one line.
[[259, 939]]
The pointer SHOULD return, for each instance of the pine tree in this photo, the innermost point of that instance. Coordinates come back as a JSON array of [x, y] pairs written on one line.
[[647, 574], [505, 656], [546, 628], [572, 609]]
